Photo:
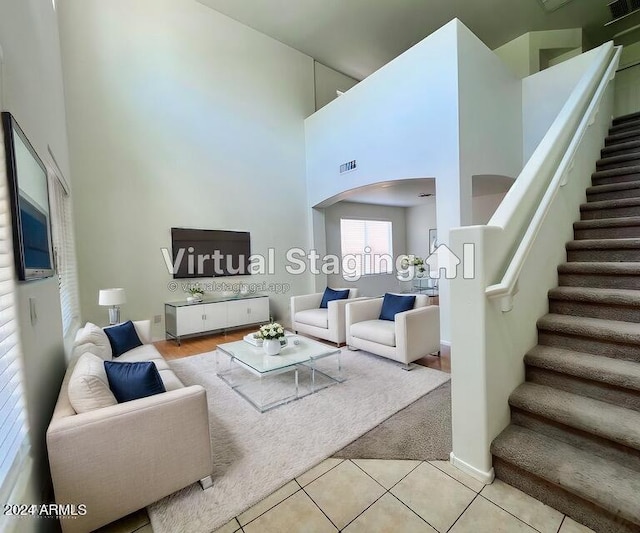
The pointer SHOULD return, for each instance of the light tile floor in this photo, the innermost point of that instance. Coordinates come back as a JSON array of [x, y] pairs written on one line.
[[383, 496]]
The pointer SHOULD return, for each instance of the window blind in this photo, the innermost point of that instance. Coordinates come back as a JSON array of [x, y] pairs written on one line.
[[13, 423], [65, 254], [370, 245]]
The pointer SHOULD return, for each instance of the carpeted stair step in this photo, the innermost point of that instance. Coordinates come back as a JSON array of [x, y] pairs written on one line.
[[625, 126], [624, 207], [604, 250], [601, 378], [618, 161], [610, 338], [625, 136], [608, 304], [569, 418], [629, 147], [607, 228], [600, 274], [616, 175], [597, 492], [602, 419], [631, 117], [614, 191]]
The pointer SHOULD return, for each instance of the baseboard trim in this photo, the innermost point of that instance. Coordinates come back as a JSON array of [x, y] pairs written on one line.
[[446, 343], [486, 477]]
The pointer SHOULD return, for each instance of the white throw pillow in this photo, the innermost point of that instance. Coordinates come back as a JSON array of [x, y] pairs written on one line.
[[88, 386], [92, 339], [143, 329]]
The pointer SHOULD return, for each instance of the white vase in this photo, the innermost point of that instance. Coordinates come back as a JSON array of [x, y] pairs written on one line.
[[271, 346]]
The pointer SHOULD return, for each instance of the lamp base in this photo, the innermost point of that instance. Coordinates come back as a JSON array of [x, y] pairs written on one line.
[[114, 315]]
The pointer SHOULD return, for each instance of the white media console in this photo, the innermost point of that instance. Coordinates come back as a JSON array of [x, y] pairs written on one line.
[[218, 313]]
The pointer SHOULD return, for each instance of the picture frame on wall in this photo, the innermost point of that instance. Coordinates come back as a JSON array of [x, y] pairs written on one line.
[[433, 240]]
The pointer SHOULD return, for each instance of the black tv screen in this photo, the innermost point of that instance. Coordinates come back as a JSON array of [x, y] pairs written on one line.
[[204, 253], [29, 194]]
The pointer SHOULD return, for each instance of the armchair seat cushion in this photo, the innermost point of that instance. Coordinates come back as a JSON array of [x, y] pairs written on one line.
[[313, 317], [378, 331]]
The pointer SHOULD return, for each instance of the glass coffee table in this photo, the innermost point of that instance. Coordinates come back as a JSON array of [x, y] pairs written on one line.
[[303, 367]]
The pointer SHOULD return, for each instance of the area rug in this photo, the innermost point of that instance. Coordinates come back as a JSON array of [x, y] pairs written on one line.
[[421, 431], [255, 454]]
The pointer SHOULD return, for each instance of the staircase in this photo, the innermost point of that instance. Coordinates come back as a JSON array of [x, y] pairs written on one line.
[[574, 438]]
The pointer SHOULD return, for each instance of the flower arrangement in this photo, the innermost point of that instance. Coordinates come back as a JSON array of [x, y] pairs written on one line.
[[412, 260], [195, 290], [272, 330]]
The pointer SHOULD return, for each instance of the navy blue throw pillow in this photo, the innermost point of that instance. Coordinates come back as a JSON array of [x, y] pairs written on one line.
[[123, 338], [394, 303], [331, 294], [130, 381]]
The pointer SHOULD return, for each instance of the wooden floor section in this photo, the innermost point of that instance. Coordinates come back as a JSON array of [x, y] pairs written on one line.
[[197, 345]]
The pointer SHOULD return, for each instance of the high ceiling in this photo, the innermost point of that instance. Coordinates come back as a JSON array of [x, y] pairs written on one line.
[[357, 37]]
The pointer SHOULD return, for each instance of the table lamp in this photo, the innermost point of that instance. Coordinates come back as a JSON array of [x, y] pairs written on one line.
[[113, 298]]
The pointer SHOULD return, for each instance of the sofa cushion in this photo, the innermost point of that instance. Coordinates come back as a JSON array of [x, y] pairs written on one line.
[[146, 352], [143, 329], [313, 317], [394, 304], [378, 331], [169, 379], [123, 338], [131, 381], [92, 339], [332, 294], [88, 387]]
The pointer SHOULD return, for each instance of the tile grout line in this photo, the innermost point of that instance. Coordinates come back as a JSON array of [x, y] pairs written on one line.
[[410, 509], [321, 510], [510, 513], [447, 473], [564, 516], [295, 480], [462, 513]]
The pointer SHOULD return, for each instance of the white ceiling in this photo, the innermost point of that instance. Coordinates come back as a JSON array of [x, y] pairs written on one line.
[[406, 193], [357, 37]]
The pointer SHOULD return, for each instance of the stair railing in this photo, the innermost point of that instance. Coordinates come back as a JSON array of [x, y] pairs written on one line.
[[551, 163]]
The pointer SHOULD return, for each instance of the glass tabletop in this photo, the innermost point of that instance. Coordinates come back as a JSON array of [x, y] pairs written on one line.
[[299, 350]]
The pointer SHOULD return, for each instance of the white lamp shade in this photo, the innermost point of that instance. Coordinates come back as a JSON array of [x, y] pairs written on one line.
[[111, 297]]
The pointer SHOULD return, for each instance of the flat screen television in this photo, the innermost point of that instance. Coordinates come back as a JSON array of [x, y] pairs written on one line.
[[206, 253], [29, 198]]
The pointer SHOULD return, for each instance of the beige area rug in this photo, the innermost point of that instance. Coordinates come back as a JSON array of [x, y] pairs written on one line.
[[255, 454]]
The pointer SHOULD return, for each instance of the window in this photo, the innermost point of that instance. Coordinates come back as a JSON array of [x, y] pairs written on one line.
[[367, 247], [14, 444], [65, 252]]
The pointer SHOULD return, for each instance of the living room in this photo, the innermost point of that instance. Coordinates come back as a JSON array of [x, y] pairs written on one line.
[[161, 114]]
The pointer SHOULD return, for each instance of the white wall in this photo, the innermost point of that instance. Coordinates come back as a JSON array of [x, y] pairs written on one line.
[[375, 284], [32, 91], [535, 50], [327, 82], [488, 345], [543, 96], [420, 219], [400, 122], [180, 116], [484, 207], [627, 96]]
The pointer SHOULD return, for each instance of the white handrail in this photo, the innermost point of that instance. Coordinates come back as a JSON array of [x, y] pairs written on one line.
[[508, 286]]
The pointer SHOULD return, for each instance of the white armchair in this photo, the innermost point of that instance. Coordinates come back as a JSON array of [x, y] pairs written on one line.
[[328, 324], [412, 335]]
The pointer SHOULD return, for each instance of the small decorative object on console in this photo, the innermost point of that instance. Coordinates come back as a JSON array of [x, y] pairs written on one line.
[[197, 294]]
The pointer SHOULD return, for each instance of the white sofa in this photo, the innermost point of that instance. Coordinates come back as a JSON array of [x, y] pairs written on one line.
[[123, 457], [307, 317], [412, 335]]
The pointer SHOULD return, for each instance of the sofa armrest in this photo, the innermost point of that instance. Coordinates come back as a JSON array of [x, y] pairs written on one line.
[[361, 310], [304, 302], [126, 456], [418, 332], [337, 311]]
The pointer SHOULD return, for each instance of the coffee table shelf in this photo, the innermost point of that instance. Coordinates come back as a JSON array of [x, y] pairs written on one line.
[[269, 381]]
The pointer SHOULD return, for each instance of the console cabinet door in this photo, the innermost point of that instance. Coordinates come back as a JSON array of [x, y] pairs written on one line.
[[249, 311], [215, 316], [190, 319]]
